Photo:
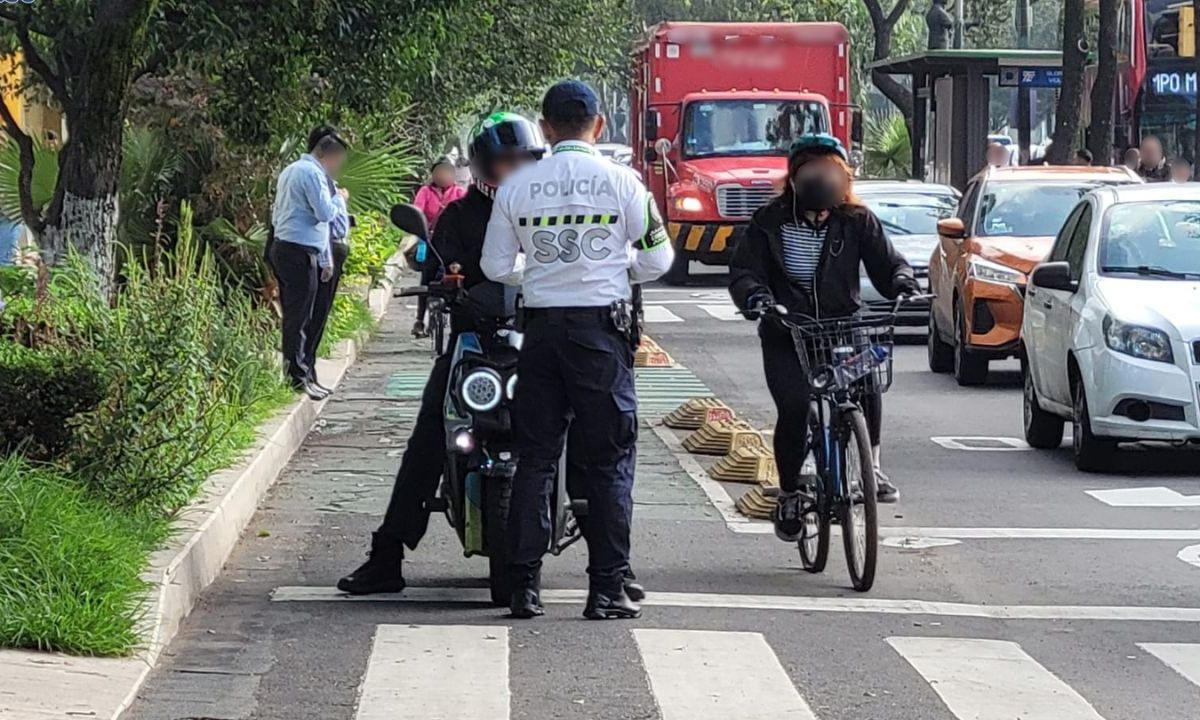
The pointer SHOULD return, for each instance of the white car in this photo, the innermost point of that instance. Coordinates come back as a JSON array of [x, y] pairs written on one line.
[[1112, 324]]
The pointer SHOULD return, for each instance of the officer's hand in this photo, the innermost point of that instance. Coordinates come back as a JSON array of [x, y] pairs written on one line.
[[758, 304], [907, 286], [326, 274], [344, 193]]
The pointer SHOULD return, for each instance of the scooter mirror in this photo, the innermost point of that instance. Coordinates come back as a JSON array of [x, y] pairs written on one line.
[[410, 219]]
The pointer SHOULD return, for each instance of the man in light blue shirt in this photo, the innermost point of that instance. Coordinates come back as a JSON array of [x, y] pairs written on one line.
[[306, 203]]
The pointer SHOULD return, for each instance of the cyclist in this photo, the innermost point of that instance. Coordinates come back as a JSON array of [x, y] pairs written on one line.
[[502, 143], [803, 251]]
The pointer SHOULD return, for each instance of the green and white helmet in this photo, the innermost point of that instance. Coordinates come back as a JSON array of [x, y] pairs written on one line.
[[502, 135]]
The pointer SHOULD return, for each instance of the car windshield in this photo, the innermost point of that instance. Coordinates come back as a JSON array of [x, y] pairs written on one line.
[[1027, 209], [911, 213], [749, 127], [1152, 239]]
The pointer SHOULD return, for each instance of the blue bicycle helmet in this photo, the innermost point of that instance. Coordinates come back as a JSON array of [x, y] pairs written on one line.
[[818, 143]]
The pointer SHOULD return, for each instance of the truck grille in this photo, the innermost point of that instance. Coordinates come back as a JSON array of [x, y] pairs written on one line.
[[740, 201]]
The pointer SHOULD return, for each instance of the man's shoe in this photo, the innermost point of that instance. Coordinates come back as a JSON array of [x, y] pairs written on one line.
[[312, 380], [611, 606], [381, 573], [788, 518], [526, 604], [633, 588], [885, 491], [315, 392]]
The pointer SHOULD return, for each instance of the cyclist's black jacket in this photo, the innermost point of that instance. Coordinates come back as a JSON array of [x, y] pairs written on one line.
[[854, 236], [459, 239]]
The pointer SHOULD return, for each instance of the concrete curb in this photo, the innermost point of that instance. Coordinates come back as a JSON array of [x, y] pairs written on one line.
[[47, 685]]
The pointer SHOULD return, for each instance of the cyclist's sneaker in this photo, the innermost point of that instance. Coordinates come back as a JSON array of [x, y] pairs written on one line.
[[419, 331], [789, 518], [886, 492]]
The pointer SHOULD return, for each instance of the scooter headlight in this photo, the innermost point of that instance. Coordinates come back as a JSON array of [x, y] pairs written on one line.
[[510, 388], [481, 390]]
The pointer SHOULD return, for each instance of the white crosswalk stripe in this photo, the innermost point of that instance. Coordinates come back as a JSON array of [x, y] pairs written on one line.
[[727, 311], [436, 672], [660, 314], [699, 675], [691, 310], [1183, 658], [992, 680]]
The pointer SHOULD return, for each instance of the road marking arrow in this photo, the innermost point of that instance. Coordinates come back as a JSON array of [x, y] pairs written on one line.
[[1154, 497]]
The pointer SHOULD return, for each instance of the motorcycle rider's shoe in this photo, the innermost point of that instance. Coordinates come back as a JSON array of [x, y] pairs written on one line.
[[381, 573], [885, 491], [633, 588], [527, 597], [608, 605], [788, 516]]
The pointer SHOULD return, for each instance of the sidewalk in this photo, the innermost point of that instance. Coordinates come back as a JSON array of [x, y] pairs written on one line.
[[238, 651]]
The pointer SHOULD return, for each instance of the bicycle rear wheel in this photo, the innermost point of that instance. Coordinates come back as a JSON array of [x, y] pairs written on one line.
[[859, 514], [814, 542]]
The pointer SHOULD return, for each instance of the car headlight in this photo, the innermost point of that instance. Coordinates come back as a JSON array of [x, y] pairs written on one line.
[[510, 388], [481, 389], [989, 271], [688, 203], [1141, 342]]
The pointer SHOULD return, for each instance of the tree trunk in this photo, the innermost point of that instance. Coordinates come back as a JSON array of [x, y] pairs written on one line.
[[84, 211], [883, 25], [1070, 99], [1104, 91]]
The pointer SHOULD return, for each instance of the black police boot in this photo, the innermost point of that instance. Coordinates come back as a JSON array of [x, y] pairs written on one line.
[[526, 598], [610, 605], [381, 572], [633, 588]]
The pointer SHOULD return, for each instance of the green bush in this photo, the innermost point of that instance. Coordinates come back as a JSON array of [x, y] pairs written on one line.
[[372, 242], [350, 317], [42, 391], [70, 567]]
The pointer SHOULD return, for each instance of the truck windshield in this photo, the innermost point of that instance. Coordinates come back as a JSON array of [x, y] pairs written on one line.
[[749, 127]]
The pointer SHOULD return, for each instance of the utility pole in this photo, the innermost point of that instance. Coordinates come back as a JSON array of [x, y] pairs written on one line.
[[960, 23], [1024, 111], [1196, 69]]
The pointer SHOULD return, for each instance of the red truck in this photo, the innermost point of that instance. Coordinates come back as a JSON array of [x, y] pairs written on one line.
[[715, 106]]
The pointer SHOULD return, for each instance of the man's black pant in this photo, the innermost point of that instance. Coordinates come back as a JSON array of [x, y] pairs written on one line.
[[789, 388], [574, 362], [322, 307], [297, 272]]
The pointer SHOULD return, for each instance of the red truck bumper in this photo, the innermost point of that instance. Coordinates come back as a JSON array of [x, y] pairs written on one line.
[[708, 243]]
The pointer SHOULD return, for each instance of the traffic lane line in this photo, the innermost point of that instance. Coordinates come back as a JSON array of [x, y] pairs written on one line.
[[706, 675], [781, 603], [992, 680], [434, 672]]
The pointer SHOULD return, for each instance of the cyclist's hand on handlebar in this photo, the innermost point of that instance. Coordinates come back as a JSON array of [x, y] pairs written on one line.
[[759, 304], [907, 286]]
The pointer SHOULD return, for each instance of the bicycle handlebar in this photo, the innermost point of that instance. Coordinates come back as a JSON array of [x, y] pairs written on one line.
[[781, 314]]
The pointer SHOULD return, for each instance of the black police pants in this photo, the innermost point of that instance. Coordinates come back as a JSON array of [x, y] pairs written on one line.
[[789, 388], [421, 466], [297, 272], [322, 307], [574, 365]]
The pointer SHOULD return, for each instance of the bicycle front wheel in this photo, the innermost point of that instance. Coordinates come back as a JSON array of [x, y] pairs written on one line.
[[860, 512]]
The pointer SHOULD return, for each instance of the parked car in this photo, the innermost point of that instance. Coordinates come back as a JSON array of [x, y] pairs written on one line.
[[1005, 225], [618, 153], [1112, 324], [910, 212]]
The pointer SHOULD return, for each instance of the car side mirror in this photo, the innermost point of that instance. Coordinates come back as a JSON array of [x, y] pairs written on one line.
[[662, 146], [1054, 276], [410, 219], [952, 228]]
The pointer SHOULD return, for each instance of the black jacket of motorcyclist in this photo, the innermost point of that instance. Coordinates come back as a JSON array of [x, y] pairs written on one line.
[[803, 251], [502, 142]]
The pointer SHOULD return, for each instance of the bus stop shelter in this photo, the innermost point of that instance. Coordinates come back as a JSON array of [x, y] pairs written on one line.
[[952, 96]]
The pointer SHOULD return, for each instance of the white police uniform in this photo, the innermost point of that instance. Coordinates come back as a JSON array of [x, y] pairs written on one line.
[[575, 231]]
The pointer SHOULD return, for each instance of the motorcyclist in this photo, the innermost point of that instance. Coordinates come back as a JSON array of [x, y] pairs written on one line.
[[501, 143], [803, 251]]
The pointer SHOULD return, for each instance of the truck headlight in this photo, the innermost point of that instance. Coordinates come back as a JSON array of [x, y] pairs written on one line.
[[688, 203], [481, 390], [989, 271], [1141, 342]]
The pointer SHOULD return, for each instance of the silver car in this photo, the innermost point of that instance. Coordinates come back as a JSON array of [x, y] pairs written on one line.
[[909, 212]]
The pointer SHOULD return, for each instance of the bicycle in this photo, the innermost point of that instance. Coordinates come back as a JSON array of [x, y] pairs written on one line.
[[844, 359]]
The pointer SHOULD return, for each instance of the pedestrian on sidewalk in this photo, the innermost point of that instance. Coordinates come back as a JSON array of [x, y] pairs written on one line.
[[1181, 170], [507, 142], [339, 243], [301, 256], [575, 247], [1153, 166], [432, 199]]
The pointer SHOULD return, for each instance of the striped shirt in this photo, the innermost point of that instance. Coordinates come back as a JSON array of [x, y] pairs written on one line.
[[802, 251]]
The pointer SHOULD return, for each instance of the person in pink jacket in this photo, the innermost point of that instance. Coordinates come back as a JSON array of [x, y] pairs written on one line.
[[432, 199]]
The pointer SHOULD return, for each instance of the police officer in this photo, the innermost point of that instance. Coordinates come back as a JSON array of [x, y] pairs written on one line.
[[575, 232]]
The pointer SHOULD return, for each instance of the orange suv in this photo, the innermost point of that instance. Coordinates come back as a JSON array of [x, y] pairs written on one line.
[[1005, 224]]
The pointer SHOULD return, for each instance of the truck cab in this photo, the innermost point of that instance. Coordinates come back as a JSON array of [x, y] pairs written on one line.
[[717, 106]]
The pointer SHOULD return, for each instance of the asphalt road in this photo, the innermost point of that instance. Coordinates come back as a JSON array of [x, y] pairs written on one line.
[[1006, 590]]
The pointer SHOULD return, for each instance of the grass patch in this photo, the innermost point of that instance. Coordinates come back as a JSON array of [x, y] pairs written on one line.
[[351, 317], [70, 566]]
